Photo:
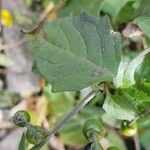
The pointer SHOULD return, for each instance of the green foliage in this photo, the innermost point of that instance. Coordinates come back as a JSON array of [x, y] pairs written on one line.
[[126, 72], [120, 105], [75, 7], [143, 9], [114, 7], [81, 41], [144, 24]]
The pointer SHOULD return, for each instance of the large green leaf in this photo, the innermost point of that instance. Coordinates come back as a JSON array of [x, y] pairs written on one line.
[[75, 7], [76, 52]]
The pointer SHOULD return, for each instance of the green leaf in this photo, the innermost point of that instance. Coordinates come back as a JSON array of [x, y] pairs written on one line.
[[76, 52], [113, 7], [126, 72], [129, 79], [120, 105], [23, 142], [143, 72], [144, 24], [75, 7], [143, 9], [138, 95], [125, 13], [144, 86]]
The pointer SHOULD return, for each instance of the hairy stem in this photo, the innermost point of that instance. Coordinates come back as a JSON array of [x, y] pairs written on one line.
[[74, 111]]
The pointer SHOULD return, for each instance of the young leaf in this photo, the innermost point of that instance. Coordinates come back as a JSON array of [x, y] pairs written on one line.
[[129, 79], [76, 52], [126, 71], [75, 7], [120, 105]]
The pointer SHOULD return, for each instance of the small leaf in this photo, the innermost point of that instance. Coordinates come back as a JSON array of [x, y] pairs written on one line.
[[74, 49], [129, 79], [126, 72], [120, 105], [23, 142]]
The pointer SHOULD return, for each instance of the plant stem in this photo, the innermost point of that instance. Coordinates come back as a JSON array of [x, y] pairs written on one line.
[[74, 111], [95, 141]]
